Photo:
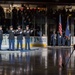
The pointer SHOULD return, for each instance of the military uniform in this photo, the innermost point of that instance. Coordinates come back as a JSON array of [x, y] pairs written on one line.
[[69, 40], [11, 39], [19, 38], [27, 38], [1, 38], [63, 39], [53, 37], [59, 39]]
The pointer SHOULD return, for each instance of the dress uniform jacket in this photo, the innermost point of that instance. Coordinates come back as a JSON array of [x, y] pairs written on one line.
[[19, 34], [1, 34], [27, 34], [11, 34]]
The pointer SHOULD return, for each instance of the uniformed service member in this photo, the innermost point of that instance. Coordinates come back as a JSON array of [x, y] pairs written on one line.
[[11, 38], [1, 36], [19, 37], [53, 38], [68, 40], [59, 39], [63, 38], [27, 33]]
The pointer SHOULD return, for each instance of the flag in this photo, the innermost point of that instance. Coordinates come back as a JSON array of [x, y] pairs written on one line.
[[67, 32], [60, 25]]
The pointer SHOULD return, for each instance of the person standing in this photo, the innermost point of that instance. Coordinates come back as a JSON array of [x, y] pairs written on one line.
[[19, 37], [11, 38], [53, 37], [1, 36], [63, 38], [27, 33], [68, 40], [59, 39], [39, 33]]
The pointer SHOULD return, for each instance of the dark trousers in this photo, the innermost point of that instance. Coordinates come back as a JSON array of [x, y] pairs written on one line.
[[27, 43], [19, 42], [54, 42], [68, 42], [63, 41], [59, 41], [11, 44], [0, 43]]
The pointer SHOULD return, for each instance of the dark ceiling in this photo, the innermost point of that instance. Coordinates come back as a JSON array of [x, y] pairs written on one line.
[[39, 1]]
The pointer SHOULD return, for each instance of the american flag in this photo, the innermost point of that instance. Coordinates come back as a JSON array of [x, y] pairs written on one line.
[[60, 25]]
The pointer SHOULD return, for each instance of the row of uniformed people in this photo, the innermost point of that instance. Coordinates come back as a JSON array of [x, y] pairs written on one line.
[[60, 40], [19, 33]]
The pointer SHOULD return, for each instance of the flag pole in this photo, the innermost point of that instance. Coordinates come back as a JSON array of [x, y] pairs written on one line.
[[60, 25]]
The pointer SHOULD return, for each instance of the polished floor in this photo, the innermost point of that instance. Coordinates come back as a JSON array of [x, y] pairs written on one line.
[[45, 61]]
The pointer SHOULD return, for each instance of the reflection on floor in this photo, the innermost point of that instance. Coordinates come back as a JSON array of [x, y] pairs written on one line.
[[38, 62]]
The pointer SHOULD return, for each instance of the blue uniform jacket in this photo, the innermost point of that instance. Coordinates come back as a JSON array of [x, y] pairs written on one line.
[[19, 34], [1, 34], [11, 34]]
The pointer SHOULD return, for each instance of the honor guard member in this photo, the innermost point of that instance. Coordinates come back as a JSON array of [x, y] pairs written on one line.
[[19, 37], [11, 38], [40, 33], [63, 38], [59, 39], [53, 37], [68, 38], [27, 33], [1, 36]]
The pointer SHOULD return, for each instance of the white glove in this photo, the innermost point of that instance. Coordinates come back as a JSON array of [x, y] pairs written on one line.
[[27, 31], [60, 36], [12, 31], [31, 31], [16, 30], [21, 32], [24, 30]]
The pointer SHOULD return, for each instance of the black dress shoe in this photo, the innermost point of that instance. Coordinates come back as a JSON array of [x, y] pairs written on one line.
[[25, 49], [29, 49], [21, 49], [8, 49], [12, 49], [16, 49]]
